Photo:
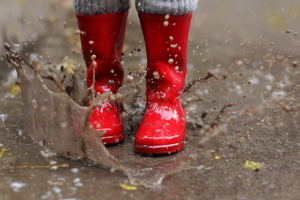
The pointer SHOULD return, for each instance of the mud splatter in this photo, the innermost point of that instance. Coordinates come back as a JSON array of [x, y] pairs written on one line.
[[54, 120]]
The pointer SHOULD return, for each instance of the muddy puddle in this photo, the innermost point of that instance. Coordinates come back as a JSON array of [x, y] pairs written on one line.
[[247, 110]]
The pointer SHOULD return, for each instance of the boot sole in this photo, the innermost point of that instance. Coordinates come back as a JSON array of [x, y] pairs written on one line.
[[112, 139], [161, 149], [114, 134]]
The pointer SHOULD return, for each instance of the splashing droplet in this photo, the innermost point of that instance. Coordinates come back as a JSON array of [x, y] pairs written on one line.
[[129, 79]]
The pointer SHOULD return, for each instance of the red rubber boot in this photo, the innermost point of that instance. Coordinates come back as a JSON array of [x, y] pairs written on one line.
[[163, 126], [103, 36]]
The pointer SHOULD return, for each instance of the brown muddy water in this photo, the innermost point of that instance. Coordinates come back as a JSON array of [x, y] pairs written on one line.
[[254, 45]]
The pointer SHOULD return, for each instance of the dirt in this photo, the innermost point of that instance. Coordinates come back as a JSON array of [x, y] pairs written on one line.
[[259, 58]]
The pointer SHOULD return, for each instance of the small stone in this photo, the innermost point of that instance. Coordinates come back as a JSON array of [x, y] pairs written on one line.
[[41, 18], [75, 170], [76, 180], [239, 63], [63, 125], [56, 189]]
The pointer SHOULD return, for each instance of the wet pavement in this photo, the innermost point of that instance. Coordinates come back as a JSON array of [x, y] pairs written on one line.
[[254, 44]]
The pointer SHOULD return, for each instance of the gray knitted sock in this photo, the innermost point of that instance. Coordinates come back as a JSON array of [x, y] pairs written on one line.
[[164, 7], [96, 7]]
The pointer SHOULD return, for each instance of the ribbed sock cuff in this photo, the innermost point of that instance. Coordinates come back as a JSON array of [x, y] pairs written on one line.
[[96, 7], [166, 7]]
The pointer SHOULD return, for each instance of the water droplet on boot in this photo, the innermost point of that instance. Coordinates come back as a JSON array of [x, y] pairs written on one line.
[[94, 64], [77, 32], [156, 75]]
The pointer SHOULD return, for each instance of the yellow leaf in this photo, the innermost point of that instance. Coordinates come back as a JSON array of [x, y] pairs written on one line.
[[1, 153], [253, 165], [128, 187], [217, 157], [15, 89], [68, 65]]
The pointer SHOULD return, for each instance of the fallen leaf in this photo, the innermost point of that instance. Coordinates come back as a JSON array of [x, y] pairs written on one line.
[[253, 165], [15, 89], [2, 150], [217, 157], [34, 167], [128, 187]]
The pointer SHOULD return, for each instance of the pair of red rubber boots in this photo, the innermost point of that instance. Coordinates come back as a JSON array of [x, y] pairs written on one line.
[[163, 127]]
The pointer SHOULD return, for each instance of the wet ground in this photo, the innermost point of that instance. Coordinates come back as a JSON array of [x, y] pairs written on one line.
[[254, 44]]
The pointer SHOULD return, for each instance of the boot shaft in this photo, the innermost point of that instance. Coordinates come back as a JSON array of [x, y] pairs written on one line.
[[166, 39], [103, 36], [165, 36]]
